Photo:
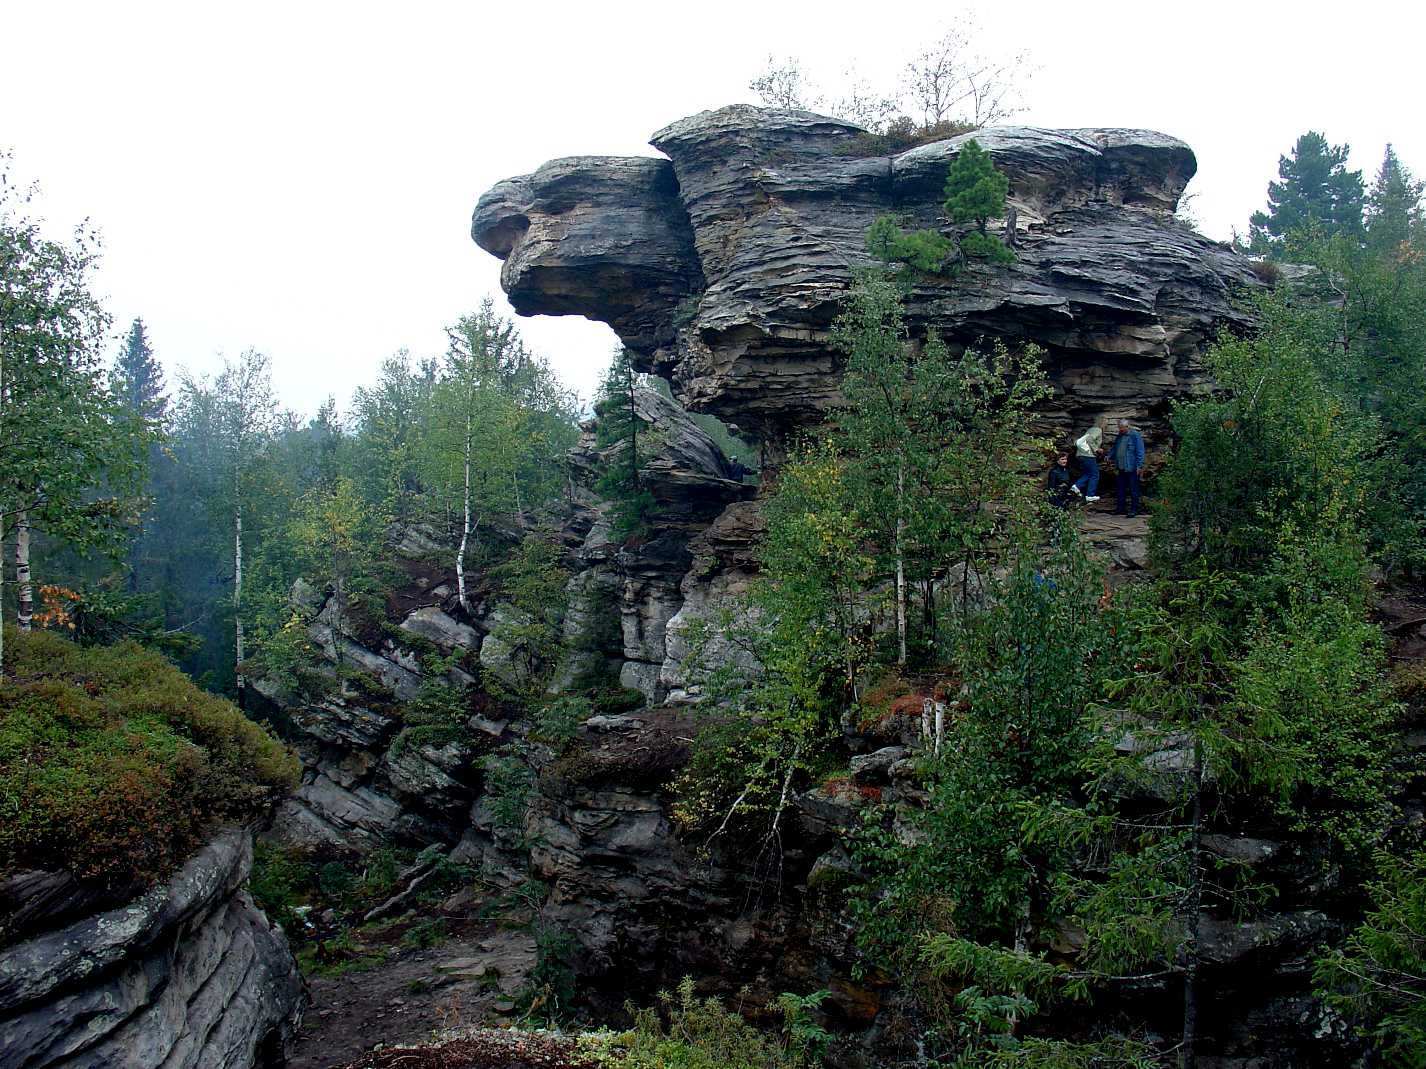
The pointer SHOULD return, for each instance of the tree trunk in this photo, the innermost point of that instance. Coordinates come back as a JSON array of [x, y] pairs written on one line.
[[240, 681], [901, 561], [24, 589], [465, 525]]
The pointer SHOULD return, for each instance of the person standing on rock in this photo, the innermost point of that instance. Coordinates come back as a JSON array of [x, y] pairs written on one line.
[[1128, 454], [1058, 485], [1087, 450]]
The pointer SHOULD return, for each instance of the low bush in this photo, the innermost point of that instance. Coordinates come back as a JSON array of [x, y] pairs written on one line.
[[686, 1032], [113, 765]]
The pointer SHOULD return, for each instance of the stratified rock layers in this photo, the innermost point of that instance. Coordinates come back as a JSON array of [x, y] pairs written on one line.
[[722, 267], [189, 975]]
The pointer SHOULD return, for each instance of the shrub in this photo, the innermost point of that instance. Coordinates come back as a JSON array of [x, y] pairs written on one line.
[[508, 784], [702, 1034], [549, 991], [558, 720], [1375, 979], [276, 883], [114, 765]]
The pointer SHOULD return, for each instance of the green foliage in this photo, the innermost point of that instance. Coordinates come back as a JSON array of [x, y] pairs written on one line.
[[509, 786], [618, 432], [426, 934], [686, 1032], [534, 581], [1377, 979], [975, 189], [1279, 446], [1033, 659], [113, 765], [1314, 191], [74, 456], [558, 720], [1112, 1052], [550, 988], [436, 716], [1394, 218], [277, 882], [974, 194], [927, 251]]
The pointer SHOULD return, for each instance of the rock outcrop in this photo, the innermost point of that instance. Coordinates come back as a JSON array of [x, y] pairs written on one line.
[[188, 975], [722, 266]]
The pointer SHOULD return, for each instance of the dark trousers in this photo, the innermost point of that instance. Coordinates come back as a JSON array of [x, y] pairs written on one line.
[[1128, 483], [1088, 481]]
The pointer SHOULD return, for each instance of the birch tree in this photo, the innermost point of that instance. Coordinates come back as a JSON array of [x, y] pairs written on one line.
[[228, 426], [66, 468], [500, 424]]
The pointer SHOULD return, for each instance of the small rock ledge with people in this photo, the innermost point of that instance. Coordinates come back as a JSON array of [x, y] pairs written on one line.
[[1127, 455]]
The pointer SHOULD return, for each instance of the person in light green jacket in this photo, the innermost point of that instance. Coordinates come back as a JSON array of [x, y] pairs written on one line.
[[1087, 448]]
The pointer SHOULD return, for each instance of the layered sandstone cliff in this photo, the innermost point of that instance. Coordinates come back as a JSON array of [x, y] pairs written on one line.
[[723, 265]]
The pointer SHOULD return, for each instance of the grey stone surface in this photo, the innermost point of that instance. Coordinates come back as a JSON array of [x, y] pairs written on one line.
[[765, 224], [432, 623], [189, 975]]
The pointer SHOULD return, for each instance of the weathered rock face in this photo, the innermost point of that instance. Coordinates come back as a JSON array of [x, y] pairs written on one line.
[[691, 482], [189, 975], [723, 266]]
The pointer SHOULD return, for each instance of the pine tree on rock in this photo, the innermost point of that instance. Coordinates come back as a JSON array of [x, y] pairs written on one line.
[[1315, 192], [975, 193]]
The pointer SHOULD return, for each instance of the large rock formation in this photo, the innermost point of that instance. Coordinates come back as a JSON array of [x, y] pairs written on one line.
[[723, 266], [189, 975]]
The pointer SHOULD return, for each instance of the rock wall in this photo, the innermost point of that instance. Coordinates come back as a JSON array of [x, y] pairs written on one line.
[[722, 266], [189, 975]]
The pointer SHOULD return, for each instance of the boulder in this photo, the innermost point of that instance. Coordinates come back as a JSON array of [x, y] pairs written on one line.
[[189, 975]]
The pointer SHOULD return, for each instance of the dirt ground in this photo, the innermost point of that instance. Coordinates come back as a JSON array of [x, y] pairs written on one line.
[[415, 995], [483, 1050]]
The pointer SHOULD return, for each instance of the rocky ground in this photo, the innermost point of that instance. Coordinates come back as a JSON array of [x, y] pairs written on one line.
[[410, 995], [485, 1049]]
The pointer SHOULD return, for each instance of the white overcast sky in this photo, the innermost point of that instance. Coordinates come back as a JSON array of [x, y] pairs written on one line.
[[299, 176]]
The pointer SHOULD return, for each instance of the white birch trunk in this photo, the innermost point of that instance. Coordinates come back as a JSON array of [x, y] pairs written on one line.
[[238, 604], [465, 525], [24, 589], [901, 562]]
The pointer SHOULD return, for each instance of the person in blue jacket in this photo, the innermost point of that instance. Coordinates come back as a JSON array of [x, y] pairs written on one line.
[[1128, 455]]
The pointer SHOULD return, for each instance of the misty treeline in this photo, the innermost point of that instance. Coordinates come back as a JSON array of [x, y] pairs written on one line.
[[180, 514]]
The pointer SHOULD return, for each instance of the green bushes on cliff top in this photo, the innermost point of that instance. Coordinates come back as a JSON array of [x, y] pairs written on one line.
[[113, 764]]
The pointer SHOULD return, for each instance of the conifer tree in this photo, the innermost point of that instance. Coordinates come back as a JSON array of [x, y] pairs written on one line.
[[1315, 192], [1393, 214], [137, 378], [620, 426], [975, 193]]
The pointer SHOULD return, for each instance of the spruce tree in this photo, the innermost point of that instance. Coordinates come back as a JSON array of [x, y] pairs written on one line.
[[1393, 213], [137, 378], [620, 426], [1315, 192]]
